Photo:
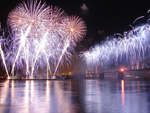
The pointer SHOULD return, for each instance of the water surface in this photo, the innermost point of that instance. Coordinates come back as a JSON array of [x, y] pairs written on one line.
[[74, 96]]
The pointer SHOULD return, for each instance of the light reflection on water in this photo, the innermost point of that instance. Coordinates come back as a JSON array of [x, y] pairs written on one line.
[[122, 92], [74, 96]]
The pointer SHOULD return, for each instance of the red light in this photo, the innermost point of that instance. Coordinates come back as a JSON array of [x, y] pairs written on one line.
[[122, 70]]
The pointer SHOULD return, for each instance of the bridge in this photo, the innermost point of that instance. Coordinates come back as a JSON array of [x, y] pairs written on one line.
[[140, 70]]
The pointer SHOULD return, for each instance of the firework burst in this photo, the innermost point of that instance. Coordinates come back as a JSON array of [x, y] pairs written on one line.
[[74, 30], [132, 48], [30, 13], [41, 36]]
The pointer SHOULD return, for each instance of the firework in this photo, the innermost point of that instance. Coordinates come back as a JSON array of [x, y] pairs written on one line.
[[28, 13], [40, 36], [131, 47], [73, 30]]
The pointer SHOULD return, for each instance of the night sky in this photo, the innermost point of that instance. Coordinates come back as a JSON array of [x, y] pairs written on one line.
[[102, 17], [113, 16]]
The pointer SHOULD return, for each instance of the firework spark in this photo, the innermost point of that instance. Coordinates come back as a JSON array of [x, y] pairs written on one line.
[[131, 47], [74, 30], [40, 35]]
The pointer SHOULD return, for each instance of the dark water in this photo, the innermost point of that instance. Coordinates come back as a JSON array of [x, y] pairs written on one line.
[[74, 96]]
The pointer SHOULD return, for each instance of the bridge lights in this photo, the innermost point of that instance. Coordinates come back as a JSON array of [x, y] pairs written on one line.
[[122, 70], [121, 74]]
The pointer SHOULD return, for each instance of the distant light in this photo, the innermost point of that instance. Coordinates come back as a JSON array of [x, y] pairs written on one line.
[[69, 73], [122, 70]]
